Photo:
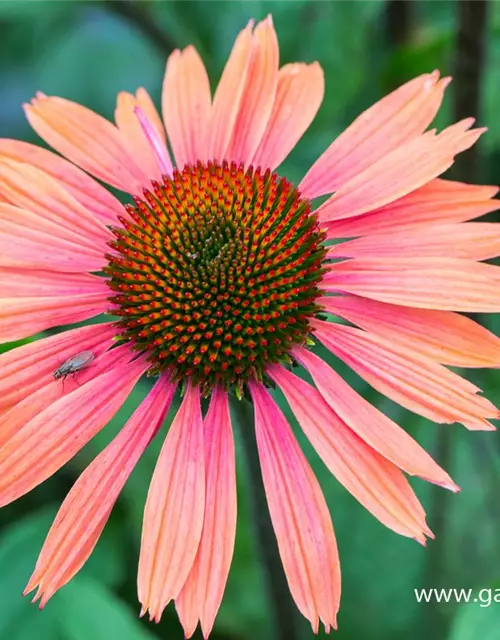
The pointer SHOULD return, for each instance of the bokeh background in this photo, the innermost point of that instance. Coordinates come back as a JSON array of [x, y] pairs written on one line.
[[88, 51]]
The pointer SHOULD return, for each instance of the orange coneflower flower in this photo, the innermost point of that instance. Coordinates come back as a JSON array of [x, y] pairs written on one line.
[[220, 272]]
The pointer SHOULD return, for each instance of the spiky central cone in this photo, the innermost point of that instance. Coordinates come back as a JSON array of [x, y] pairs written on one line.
[[215, 273]]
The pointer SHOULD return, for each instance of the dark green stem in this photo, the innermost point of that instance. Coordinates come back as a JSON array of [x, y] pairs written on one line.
[[284, 610]]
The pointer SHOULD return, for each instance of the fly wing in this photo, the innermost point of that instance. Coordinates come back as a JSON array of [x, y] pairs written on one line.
[[80, 360]]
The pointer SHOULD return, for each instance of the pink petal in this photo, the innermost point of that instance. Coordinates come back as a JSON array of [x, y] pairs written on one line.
[[439, 201], [228, 96], [258, 96], [473, 240], [449, 284], [87, 139], [95, 198], [378, 484], [201, 595], [407, 377], [372, 426], [299, 514], [134, 137], [400, 172], [298, 98], [85, 511], [34, 452], [186, 104], [444, 336], [390, 123], [31, 366], [173, 516]]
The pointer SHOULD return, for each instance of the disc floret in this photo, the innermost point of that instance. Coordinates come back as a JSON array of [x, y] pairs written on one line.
[[215, 273]]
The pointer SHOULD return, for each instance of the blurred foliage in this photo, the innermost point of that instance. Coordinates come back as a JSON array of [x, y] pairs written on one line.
[[88, 51]]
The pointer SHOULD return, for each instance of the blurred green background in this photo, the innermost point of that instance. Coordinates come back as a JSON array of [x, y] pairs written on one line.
[[88, 51]]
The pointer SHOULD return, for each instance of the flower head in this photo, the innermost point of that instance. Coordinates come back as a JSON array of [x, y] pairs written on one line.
[[218, 276]]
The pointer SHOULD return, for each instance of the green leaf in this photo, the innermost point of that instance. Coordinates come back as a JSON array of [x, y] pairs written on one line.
[[478, 619], [86, 609]]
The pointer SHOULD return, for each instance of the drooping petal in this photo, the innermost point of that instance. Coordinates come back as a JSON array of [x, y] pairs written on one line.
[[86, 509], [201, 595], [449, 284], [408, 377], [374, 481], [173, 516], [30, 241], [370, 424], [444, 336], [94, 197], [35, 191], [29, 367], [400, 172], [135, 139], [388, 124], [186, 103], [43, 444], [299, 515], [258, 96], [228, 96], [87, 139], [298, 98], [473, 240], [437, 202]]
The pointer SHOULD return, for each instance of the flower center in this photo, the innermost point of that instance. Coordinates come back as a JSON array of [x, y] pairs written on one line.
[[215, 273]]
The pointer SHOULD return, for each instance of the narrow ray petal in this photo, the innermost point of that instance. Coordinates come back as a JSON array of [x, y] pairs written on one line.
[[87, 139], [42, 445], [89, 193], [377, 483], [258, 96], [299, 514], [298, 97], [449, 284], [390, 123], [85, 511], [444, 336], [186, 103], [201, 595], [400, 172], [437, 202], [29, 367], [229, 94], [370, 424], [407, 377], [173, 516], [473, 240]]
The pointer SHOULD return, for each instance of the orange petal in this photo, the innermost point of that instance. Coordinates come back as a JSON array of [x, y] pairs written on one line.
[[473, 240], [407, 377], [449, 284], [201, 595], [94, 197], [87, 139], [376, 429], [258, 95], [43, 444], [31, 366], [299, 515], [173, 516], [390, 123], [85, 511], [444, 336], [186, 103], [377, 483], [400, 172], [134, 137], [298, 98], [437, 202], [229, 94]]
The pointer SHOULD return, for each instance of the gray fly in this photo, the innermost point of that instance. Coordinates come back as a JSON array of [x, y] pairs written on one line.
[[74, 364]]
